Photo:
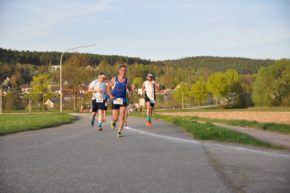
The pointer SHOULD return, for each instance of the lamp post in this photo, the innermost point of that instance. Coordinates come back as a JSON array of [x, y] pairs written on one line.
[[60, 75], [1, 99]]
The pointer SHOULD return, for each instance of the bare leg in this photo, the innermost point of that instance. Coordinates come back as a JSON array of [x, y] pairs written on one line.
[[94, 114], [151, 111], [121, 118], [148, 112], [93, 118], [104, 116], [115, 115], [100, 114], [148, 109]]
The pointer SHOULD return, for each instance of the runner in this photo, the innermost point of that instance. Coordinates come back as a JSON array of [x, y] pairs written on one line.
[[119, 84], [149, 88], [98, 88]]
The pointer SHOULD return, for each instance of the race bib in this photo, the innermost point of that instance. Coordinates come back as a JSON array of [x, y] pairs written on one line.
[[152, 101], [118, 101], [100, 100]]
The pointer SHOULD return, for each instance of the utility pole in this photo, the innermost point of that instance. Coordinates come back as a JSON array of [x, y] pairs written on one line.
[[1, 94], [182, 98]]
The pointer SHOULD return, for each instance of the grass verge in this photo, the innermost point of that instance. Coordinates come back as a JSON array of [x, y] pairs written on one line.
[[12, 123], [208, 131], [275, 127]]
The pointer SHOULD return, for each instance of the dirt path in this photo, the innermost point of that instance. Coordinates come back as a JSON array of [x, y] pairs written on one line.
[[264, 117]]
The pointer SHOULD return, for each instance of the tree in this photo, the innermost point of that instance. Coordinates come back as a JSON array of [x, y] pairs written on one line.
[[247, 85], [10, 101], [182, 94], [199, 91], [272, 85], [137, 82], [227, 85], [217, 85], [75, 74], [233, 87], [41, 87], [3, 85]]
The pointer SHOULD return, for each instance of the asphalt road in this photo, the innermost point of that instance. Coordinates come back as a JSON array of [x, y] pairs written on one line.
[[75, 158]]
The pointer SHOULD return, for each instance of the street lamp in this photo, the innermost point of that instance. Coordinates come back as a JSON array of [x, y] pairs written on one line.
[[60, 69]]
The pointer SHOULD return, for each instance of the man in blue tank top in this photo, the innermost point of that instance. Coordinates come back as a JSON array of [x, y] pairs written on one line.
[[116, 90]]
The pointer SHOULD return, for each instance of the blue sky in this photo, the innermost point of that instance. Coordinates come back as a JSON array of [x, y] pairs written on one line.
[[151, 29]]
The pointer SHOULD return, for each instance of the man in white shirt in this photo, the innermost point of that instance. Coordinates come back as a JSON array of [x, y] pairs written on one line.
[[149, 88], [98, 88]]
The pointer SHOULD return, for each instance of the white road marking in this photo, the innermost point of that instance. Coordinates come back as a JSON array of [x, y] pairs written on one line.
[[279, 154]]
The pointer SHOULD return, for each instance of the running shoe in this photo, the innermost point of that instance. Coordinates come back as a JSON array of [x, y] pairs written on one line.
[[100, 129], [149, 124], [113, 125], [119, 134]]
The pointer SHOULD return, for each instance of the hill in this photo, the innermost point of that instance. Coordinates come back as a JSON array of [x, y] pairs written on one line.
[[242, 65], [8, 56], [213, 64]]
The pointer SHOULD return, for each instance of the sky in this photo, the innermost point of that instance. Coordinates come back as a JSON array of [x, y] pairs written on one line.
[[150, 29]]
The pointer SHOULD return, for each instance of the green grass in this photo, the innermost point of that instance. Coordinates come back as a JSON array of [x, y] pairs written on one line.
[[11, 123], [275, 127], [208, 131]]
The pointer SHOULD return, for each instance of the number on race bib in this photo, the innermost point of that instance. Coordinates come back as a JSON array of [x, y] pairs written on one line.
[[100, 100]]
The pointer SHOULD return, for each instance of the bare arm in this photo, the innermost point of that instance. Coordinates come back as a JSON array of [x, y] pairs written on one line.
[[157, 86], [90, 90], [130, 88], [109, 88]]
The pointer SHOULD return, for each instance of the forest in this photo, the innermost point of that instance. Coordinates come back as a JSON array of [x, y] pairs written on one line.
[[234, 82]]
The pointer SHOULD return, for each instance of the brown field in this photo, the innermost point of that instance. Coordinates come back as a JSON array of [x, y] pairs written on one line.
[[265, 117]]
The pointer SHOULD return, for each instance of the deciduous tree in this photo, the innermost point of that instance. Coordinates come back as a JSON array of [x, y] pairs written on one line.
[[41, 87]]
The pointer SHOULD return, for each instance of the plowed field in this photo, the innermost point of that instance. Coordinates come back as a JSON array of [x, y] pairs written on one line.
[[265, 117]]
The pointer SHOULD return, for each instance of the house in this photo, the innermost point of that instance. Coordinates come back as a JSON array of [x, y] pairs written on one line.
[[55, 67], [25, 88]]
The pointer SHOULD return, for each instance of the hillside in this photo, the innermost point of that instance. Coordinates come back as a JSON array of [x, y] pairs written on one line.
[[8, 56], [242, 65]]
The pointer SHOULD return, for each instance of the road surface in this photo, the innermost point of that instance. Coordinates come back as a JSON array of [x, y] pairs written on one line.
[[76, 158]]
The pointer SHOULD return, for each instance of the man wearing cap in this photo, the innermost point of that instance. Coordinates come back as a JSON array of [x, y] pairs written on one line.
[[116, 90], [149, 88], [98, 88]]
